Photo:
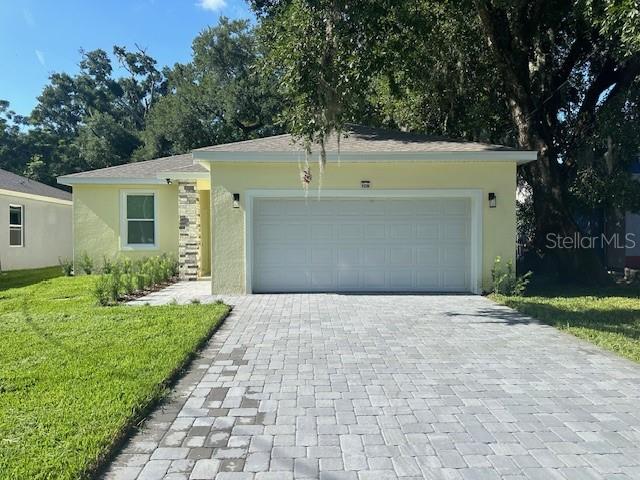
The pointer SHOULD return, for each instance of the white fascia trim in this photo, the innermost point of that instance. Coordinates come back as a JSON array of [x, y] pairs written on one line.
[[475, 195], [183, 176], [71, 181], [520, 157], [31, 196]]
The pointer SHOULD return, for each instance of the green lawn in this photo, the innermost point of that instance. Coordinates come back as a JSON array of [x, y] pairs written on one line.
[[22, 278], [74, 376], [608, 317]]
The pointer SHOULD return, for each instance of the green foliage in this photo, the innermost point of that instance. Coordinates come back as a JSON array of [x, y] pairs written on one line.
[[101, 290], [125, 277], [66, 265], [107, 264], [218, 97], [505, 281], [86, 373], [85, 263]]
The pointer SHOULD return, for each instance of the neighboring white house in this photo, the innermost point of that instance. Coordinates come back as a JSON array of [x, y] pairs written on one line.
[[35, 223]]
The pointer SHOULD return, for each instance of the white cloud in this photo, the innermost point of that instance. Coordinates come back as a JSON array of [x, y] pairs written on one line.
[[212, 5], [40, 56], [28, 18]]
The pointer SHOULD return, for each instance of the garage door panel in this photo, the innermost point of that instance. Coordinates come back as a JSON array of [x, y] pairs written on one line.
[[454, 280], [401, 256], [348, 279], [455, 207], [428, 256], [401, 231], [349, 256], [375, 256], [376, 231], [322, 256], [374, 279], [400, 280], [323, 280], [361, 245], [322, 232], [350, 231]]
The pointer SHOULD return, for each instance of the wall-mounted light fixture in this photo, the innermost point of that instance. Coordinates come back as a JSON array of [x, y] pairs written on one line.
[[492, 200], [236, 200], [168, 180]]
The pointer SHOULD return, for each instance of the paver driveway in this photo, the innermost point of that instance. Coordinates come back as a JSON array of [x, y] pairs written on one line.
[[376, 387]]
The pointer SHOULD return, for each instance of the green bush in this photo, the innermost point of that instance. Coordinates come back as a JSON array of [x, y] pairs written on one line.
[[505, 280], [86, 263], [101, 290], [128, 283], [126, 277], [140, 281], [107, 264], [66, 265]]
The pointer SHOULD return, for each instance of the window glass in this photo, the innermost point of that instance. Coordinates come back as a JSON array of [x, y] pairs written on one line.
[[140, 206], [140, 219], [15, 215], [15, 226], [140, 232], [15, 236]]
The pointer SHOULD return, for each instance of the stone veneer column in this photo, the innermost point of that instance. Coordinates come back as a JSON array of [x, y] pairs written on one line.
[[189, 233]]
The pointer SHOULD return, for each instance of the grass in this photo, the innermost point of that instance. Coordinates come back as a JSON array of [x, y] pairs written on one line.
[[22, 278], [608, 317], [75, 377]]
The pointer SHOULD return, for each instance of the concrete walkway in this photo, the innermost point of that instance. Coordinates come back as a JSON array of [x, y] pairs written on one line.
[[381, 387]]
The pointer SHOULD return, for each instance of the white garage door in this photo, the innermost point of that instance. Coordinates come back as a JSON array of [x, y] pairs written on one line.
[[361, 245]]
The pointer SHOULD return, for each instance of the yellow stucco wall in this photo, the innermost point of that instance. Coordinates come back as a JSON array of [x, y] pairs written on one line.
[[96, 218], [228, 250]]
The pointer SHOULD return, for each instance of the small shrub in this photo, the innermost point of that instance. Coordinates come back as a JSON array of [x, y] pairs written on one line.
[[173, 302], [128, 283], [107, 265], [101, 290], [195, 301], [115, 286], [506, 282], [86, 263], [140, 281], [66, 265], [126, 265]]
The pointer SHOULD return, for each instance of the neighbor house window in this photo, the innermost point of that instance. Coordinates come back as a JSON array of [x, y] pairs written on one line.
[[140, 219], [16, 225]]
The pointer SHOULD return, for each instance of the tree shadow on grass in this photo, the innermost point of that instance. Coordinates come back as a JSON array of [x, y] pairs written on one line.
[[620, 320]]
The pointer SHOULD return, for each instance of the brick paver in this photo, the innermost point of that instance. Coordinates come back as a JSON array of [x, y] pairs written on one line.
[[373, 387]]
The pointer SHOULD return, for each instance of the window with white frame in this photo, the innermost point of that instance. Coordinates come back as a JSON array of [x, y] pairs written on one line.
[[16, 225], [139, 219]]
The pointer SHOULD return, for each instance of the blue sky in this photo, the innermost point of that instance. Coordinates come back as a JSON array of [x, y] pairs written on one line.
[[38, 37]]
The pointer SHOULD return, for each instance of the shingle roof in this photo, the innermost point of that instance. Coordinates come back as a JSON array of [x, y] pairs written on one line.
[[358, 139], [143, 170], [16, 183], [362, 139]]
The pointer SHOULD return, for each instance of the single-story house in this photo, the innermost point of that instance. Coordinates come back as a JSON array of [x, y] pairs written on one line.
[[36, 230], [392, 212]]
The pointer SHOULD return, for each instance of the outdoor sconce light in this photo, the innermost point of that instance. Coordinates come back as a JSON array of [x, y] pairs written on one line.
[[236, 200], [492, 200]]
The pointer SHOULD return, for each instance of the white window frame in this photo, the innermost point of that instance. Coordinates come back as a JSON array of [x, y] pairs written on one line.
[[124, 240], [13, 226]]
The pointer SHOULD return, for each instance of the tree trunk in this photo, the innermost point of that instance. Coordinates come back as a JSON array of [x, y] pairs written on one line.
[[554, 224]]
